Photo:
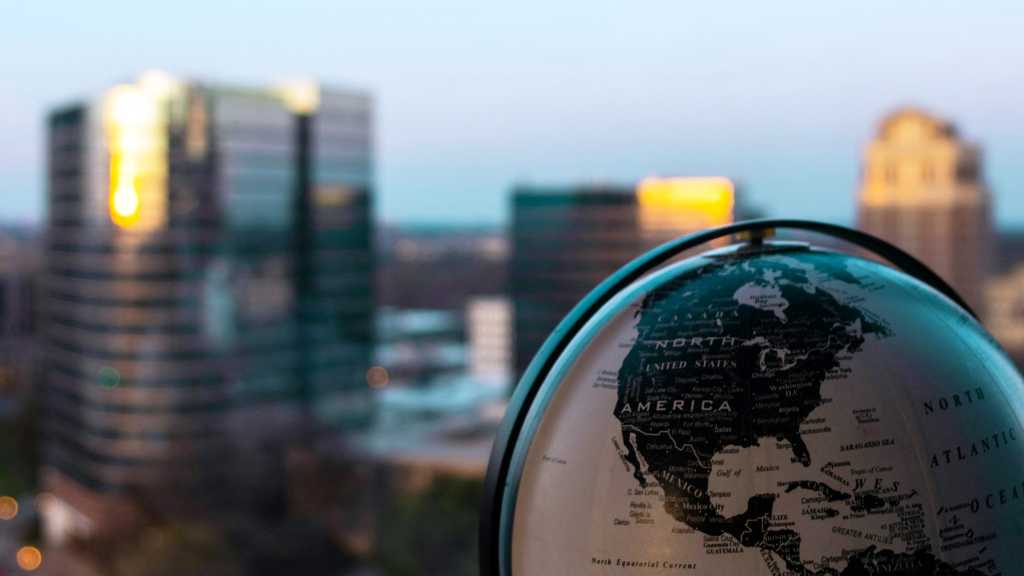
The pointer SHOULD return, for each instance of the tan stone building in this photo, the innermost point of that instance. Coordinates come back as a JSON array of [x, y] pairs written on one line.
[[922, 189]]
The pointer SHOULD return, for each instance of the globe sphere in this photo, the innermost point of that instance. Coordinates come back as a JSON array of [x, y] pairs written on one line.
[[777, 409]]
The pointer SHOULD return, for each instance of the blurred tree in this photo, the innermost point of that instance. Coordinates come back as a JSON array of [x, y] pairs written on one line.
[[433, 531], [177, 549], [19, 451], [292, 547]]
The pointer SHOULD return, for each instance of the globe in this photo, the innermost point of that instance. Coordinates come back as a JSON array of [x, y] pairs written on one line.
[[771, 408]]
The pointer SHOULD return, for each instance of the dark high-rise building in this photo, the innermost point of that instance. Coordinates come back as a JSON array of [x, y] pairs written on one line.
[[19, 277], [209, 285], [565, 241]]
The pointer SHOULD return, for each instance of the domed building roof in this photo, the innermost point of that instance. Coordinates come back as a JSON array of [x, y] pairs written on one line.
[[911, 123]]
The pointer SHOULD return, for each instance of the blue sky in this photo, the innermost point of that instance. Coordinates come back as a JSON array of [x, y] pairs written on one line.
[[475, 96]]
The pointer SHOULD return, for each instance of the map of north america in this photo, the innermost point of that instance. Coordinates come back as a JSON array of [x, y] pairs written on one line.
[[734, 354]]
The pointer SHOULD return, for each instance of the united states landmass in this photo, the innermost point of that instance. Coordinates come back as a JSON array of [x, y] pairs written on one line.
[[733, 354]]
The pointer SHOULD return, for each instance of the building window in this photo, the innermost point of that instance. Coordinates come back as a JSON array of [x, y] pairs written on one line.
[[967, 172], [891, 173]]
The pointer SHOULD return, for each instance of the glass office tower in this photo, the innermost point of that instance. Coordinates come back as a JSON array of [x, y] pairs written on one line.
[[209, 286], [565, 241]]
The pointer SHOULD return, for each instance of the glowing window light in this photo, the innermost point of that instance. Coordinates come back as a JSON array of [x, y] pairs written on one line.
[[158, 82], [29, 558], [134, 126], [685, 204], [301, 97], [125, 207], [333, 195]]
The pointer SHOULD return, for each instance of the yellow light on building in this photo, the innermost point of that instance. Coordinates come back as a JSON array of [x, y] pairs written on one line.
[[29, 558], [158, 83], [301, 97], [333, 195], [135, 130], [681, 205], [8, 508], [125, 208]]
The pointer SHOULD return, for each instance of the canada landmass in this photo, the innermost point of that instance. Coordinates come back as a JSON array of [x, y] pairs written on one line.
[[730, 354]]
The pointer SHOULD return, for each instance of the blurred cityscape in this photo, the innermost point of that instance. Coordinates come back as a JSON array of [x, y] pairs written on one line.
[[215, 358]]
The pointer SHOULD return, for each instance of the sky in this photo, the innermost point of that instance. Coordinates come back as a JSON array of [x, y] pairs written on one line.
[[473, 97]]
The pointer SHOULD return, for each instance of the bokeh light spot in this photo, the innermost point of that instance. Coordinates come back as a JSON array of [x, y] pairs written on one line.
[[29, 558], [377, 377], [8, 508], [109, 377]]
